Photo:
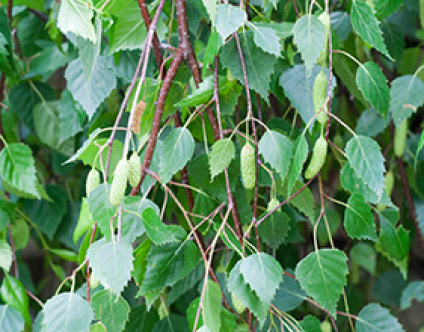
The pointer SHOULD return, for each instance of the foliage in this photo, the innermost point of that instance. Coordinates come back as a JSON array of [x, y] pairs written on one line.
[[162, 169]]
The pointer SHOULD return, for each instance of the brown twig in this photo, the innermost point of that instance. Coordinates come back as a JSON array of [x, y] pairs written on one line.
[[148, 21]]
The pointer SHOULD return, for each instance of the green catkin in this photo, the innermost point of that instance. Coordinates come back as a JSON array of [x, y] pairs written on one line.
[[92, 181], [320, 96], [119, 183], [325, 20], [135, 167], [400, 138], [247, 163], [238, 305], [318, 158]]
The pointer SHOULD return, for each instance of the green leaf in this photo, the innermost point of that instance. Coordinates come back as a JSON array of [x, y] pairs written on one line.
[[406, 95], [211, 7], [358, 219], [10, 319], [111, 309], [17, 168], [185, 284], [365, 158], [263, 274], [289, 294], [355, 185], [178, 149], [168, 264], [345, 73], [267, 39], [393, 241], [373, 85], [5, 256], [128, 31], [46, 62], [223, 151], [310, 324], [385, 8], [274, 229], [277, 150], [100, 208], [365, 256], [300, 153], [90, 92], [259, 64], [229, 19], [75, 16], [158, 232], [304, 201], [298, 86], [48, 215], [14, 294], [47, 127], [132, 225], [310, 36], [85, 145], [322, 274], [85, 221], [245, 294], [112, 263], [141, 319], [414, 291], [375, 318], [71, 116], [67, 312], [212, 307], [367, 26]]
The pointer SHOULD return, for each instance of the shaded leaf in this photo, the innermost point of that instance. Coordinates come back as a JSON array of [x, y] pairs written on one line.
[[414, 291], [298, 87], [289, 294], [259, 64], [14, 294], [375, 318], [273, 230]]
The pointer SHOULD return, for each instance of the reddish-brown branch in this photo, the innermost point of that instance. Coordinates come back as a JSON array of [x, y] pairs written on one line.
[[147, 21], [176, 62]]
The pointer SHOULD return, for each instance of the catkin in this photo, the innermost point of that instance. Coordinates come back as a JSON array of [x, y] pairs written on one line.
[[138, 113]]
